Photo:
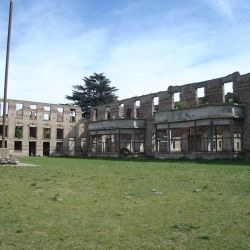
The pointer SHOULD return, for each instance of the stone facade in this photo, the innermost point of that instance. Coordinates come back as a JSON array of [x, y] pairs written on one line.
[[42, 129], [209, 119]]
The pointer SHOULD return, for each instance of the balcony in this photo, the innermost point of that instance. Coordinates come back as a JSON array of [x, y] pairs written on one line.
[[116, 124], [200, 113]]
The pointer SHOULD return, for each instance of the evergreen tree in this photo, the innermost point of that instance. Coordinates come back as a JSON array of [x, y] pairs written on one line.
[[96, 90]]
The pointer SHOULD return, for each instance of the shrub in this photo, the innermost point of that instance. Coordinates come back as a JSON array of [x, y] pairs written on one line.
[[124, 152]]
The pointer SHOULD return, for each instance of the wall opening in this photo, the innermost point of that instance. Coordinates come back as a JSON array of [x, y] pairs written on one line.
[[32, 148], [59, 133], [5, 144], [18, 145], [128, 113], [46, 149], [33, 113], [19, 109], [176, 100], [121, 110], [6, 130], [46, 114], [60, 114], [7, 109], [137, 106], [59, 147], [72, 115], [200, 95], [229, 96], [155, 104], [33, 132], [19, 132], [107, 113], [46, 133]]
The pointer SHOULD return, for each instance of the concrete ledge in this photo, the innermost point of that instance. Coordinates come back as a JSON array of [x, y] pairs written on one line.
[[201, 155]]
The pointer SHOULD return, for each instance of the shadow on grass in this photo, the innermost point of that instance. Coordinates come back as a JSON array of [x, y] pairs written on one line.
[[152, 159]]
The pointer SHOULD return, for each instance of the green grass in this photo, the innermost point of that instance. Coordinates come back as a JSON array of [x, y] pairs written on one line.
[[111, 204]]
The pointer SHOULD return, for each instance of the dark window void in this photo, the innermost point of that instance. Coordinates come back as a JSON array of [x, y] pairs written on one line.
[[72, 115], [32, 148], [18, 146], [59, 134], [128, 113], [19, 132], [33, 132], [107, 113], [1, 130], [46, 149], [46, 133], [2, 145], [155, 105], [59, 147]]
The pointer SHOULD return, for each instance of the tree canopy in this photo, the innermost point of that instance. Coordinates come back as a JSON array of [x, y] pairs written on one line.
[[95, 90]]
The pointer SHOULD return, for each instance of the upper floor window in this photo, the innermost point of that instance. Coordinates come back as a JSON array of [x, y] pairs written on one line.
[[155, 104], [46, 114], [19, 132], [137, 105], [46, 133], [107, 113], [121, 110], [176, 100], [19, 109], [72, 115], [228, 96], [128, 113], [7, 108], [200, 95], [59, 133], [60, 114], [33, 132], [33, 111]]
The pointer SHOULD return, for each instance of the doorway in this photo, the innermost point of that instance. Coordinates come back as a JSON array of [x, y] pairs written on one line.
[[46, 149], [32, 148]]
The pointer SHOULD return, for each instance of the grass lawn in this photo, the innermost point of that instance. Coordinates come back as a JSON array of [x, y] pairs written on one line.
[[112, 204]]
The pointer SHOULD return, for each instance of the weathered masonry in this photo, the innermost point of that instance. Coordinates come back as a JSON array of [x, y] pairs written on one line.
[[38, 129], [209, 119]]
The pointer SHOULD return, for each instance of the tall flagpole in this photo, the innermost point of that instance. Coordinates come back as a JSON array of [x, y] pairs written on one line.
[[6, 75]]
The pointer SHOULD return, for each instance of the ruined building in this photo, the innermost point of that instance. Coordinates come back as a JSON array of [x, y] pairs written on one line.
[[209, 120]]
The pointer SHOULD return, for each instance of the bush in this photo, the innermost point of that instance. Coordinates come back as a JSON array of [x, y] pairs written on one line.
[[124, 152]]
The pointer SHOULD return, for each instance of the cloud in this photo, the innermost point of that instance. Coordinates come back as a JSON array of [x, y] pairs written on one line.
[[141, 49]]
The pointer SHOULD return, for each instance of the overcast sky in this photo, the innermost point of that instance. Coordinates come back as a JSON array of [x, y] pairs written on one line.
[[142, 46]]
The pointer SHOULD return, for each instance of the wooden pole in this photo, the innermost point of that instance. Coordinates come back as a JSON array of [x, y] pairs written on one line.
[[6, 75]]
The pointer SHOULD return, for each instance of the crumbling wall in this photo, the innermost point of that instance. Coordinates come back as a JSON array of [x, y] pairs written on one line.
[[24, 119], [214, 94]]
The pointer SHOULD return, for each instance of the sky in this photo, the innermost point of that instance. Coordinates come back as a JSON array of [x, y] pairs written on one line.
[[142, 46]]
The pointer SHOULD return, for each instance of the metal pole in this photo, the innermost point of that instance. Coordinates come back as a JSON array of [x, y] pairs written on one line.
[[6, 75]]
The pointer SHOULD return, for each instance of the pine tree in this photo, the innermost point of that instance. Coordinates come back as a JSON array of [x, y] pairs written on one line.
[[96, 90]]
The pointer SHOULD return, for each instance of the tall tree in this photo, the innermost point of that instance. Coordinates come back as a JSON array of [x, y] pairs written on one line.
[[96, 90]]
